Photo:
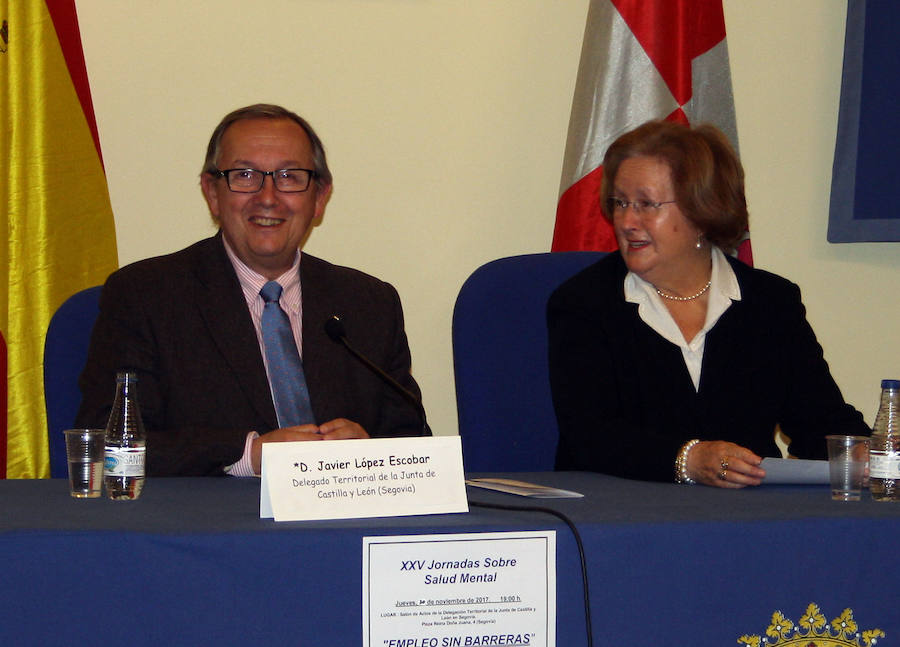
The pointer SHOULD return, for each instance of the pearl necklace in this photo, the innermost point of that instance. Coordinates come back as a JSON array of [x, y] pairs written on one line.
[[690, 298]]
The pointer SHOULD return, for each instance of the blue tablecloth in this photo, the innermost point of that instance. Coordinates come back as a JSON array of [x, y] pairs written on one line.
[[191, 563]]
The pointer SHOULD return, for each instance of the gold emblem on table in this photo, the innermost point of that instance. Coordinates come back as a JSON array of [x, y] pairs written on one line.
[[812, 630]]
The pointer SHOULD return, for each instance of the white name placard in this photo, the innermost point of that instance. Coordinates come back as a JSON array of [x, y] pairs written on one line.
[[374, 477], [460, 590]]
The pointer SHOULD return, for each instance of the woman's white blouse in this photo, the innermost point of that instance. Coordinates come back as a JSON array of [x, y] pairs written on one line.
[[722, 291]]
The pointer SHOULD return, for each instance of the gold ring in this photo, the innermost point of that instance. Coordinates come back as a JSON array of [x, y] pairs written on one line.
[[724, 463], [722, 475]]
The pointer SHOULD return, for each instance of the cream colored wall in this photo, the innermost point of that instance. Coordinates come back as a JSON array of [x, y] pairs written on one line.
[[445, 123], [787, 59]]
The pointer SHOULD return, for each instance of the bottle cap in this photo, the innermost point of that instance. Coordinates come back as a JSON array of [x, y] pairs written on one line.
[[890, 384]]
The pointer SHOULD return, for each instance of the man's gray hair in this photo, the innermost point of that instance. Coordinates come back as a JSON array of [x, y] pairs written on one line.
[[268, 111]]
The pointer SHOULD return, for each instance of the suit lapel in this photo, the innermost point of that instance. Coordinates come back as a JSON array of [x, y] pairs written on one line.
[[726, 341], [317, 303], [222, 306], [661, 359], [657, 356]]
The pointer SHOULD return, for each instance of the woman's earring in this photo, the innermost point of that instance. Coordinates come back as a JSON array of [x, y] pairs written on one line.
[[699, 241]]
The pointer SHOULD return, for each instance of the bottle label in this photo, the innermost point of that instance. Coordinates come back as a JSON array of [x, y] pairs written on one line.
[[884, 465], [124, 461]]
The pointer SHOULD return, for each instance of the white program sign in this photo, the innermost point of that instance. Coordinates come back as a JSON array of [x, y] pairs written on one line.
[[375, 477], [496, 588]]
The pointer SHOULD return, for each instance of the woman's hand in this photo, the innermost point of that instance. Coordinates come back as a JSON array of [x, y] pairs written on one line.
[[723, 464]]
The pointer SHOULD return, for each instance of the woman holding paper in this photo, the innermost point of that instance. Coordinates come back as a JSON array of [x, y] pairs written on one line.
[[671, 359]]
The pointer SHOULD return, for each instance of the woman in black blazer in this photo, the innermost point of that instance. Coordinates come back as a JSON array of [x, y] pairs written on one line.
[[671, 359]]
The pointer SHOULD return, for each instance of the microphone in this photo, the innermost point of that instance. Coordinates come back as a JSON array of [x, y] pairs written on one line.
[[334, 328]]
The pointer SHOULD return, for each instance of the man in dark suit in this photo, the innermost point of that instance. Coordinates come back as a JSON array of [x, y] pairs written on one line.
[[189, 323]]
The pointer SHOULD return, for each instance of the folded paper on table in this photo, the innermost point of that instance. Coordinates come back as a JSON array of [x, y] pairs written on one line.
[[796, 471], [523, 488], [354, 479]]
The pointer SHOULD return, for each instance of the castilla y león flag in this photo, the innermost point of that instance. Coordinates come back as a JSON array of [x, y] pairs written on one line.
[[641, 60], [58, 219]]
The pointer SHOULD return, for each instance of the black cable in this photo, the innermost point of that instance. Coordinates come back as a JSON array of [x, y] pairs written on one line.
[[575, 533]]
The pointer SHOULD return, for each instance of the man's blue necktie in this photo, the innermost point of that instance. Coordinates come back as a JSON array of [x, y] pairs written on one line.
[[285, 367]]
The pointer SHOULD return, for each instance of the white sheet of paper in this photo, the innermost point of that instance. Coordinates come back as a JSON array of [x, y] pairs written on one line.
[[464, 589], [374, 477], [523, 488], [794, 471]]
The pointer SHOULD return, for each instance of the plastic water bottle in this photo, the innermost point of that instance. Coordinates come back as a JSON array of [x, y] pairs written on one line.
[[126, 442], [884, 446]]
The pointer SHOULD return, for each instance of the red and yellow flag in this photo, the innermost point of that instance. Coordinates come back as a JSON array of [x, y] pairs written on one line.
[[58, 219]]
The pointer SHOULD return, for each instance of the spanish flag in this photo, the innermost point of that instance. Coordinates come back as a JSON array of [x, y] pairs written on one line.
[[60, 234]]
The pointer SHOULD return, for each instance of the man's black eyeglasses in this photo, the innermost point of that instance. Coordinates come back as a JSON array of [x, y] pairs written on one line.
[[249, 180]]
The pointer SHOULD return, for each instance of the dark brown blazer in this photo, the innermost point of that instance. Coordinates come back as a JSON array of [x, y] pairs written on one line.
[[182, 323], [625, 401]]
